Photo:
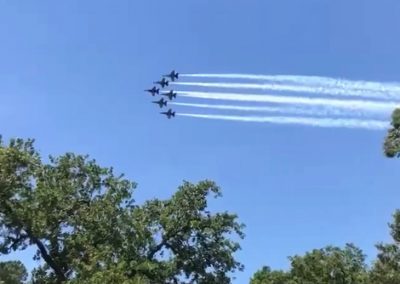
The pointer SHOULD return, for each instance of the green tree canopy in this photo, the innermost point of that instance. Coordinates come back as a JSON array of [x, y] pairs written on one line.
[[86, 227], [386, 269], [12, 272], [267, 276], [329, 265], [333, 265], [392, 141]]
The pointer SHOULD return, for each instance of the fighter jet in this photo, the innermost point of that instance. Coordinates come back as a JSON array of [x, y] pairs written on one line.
[[169, 113], [160, 102], [169, 94], [162, 83], [153, 91], [173, 75]]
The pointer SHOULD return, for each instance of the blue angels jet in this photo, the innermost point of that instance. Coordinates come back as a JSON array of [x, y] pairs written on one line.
[[160, 102], [169, 113], [153, 91], [173, 75], [169, 94], [162, 83]]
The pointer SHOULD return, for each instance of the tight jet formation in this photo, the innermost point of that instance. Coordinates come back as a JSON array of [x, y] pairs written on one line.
[[169, 94]]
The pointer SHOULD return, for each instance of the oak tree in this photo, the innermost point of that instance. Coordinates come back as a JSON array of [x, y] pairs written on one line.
[[87, 228]]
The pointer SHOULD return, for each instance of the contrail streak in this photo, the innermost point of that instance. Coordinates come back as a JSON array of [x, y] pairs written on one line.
[[310, 80], [355, 105], [320, 122], [290, 110], [323, 90]]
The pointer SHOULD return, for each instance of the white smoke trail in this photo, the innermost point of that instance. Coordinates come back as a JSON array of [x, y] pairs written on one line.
[[323, 90], [355, 105], [320, 111], [320, 122], [393, 88]]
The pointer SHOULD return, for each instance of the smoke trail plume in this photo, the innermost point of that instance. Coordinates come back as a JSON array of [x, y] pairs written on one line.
[[355, 105], [322, 90], [320, 122], [320, 111], [392, 89]]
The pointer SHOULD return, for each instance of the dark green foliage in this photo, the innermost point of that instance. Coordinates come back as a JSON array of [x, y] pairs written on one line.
[[12, 272], [396, 118], [268, 276], [386, 269], [330, 265], [333, 265], [87, 229], [392, 141]]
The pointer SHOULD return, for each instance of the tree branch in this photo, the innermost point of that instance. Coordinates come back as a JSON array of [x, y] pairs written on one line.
[[49, 260]]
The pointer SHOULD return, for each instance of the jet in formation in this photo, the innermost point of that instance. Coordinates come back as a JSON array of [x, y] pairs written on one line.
[[169, 113], [169, 94], [153, 91], [162, 83], [173, 75], [161, 102]]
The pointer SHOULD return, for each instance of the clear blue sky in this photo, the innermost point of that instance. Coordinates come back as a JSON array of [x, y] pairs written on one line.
[[72, 75]]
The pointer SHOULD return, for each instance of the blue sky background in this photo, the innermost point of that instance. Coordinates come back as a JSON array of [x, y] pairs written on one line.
[[72, 75]]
